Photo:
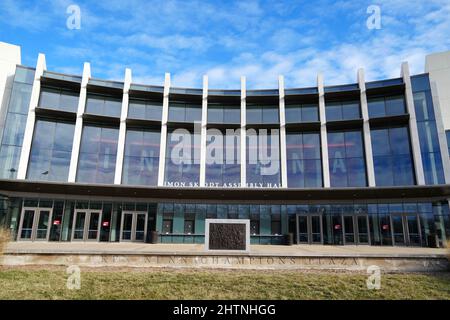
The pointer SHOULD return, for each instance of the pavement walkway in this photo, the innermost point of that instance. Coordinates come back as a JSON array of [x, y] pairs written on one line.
[[23, 247]]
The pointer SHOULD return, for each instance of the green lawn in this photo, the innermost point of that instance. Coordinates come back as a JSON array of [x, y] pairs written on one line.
[[35, 283]]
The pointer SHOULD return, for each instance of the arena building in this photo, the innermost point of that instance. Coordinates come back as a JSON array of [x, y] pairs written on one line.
[[86, 159]]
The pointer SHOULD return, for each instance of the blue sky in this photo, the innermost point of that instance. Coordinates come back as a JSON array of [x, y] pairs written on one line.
[[227, 39]]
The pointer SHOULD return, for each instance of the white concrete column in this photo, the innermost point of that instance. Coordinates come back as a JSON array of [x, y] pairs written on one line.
[[438, 67], [163, 143], [243, 131], [366, 129], [323, 132], [29, 128], [123, 127], [283, 152], [9, 58], [203, 132], [79, 123], [415, 142]]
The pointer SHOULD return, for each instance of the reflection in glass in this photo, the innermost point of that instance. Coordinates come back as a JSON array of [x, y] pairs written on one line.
[[51, 151]]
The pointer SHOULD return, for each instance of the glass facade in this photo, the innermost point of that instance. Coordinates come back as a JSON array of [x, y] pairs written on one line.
[[342, 110], [222, 158], [51, 150], [262, 114], [103, 105], [296, 113], [392, 157], [263, 158], [411, 223], [98, 152], [16, 118], [304, 161], [141, 157], [447, 134], [144, 109], [224, 114], [182, 166], [59, 99], [346, 159], [185, 112], [384, 106], [428, 135]]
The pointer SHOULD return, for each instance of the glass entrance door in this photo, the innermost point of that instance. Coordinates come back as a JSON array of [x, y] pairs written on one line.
[[302, 229], [35, 224], [133, 226], [348, 224], [26, 228], [363, 229], [398, 227], [86, 225], [309, 229], [414, 230], [43, 225]]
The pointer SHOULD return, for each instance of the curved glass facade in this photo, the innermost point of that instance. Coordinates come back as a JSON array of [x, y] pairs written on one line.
[[318, 159]]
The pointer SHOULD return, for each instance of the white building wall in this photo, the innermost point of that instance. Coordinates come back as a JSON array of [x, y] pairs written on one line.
[[9, 58]]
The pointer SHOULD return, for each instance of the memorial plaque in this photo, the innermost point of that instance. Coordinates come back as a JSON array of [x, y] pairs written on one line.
[[227, 236]]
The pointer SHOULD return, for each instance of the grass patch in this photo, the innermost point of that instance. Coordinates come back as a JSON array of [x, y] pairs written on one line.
[[203, 284], [5, 237]]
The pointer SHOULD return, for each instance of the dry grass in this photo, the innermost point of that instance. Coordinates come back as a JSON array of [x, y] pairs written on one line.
[[19, 283], [5, 237]]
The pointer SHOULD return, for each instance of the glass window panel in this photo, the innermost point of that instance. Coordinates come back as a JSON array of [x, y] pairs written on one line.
[[153, 111], [215, 114], [310, 113], [399, 140], [350, 110], [383, 168], [141, 157], [97, 161], [338, 172], [376, 107], [24, 75], [432, 167], [136, 109], [353, 144], [333, 111], [380, 142], [9, 161], [232, 115], [403, 170], [295, 173], [14, 129], [20, 98], [177, 112], [91, 139], [395, 105], [294, 146], [69, 101], [336, 144], [429, 140], [87, 166], [49, 98], [293, 113], [50, 151], [94, 104], [193, 113], [356, 172], [106, 168], [311, 146], [313, 173], [112, 107], [254, 115], [108, 143]]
